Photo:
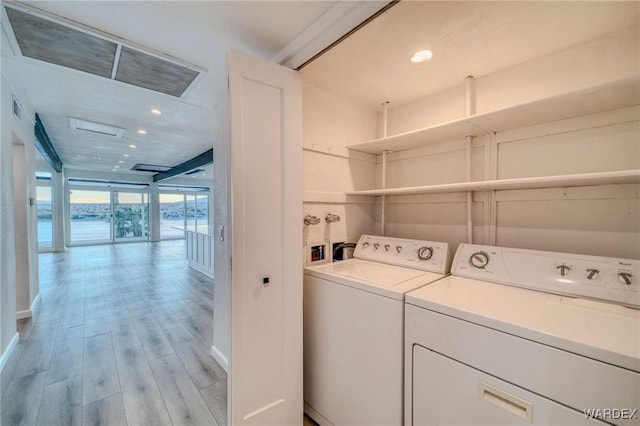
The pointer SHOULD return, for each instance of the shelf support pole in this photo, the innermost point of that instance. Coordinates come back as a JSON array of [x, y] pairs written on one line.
[[471, 96], [383, 184], [469, 140], [383, 201], [470, 110], [385, 119]]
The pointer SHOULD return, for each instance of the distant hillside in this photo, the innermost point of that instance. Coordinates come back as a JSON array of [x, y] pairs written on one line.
[[92, 211]]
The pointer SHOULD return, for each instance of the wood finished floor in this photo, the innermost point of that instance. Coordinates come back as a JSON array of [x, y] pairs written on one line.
[[122, 337]]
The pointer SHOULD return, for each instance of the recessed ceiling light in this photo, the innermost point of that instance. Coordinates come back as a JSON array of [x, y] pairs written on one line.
[[142, 132], [121, 162], [421, 56], [114, 170], [125, 155], [117, 167], [132, 146], [156, 111]]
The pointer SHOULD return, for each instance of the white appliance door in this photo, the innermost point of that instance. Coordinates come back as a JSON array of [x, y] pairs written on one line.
[[447, 392], [266, 237]]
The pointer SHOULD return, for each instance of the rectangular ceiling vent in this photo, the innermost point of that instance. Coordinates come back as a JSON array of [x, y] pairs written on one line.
[[139, 167], [97, 128], [52, 40]]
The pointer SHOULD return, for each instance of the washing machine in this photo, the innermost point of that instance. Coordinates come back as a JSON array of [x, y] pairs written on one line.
[[353, 328], [518, 336]]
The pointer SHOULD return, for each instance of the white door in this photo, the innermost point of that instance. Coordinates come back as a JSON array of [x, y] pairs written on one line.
[[265, 157]]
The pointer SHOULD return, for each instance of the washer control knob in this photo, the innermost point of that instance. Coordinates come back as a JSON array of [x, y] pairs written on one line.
[[592, 274], [398, 249], [479, 260], [564, 269], [376, 246], [425, 253], [625, 277], [387, 247], [365, 244]]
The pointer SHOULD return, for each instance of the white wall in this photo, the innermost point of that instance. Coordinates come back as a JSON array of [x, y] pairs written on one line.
[[221, 241], [610, 58], [7, 234], [330, 123], [19, 286], [599, 220]]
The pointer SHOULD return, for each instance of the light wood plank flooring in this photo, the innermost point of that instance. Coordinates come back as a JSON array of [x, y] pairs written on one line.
[[122, 337]]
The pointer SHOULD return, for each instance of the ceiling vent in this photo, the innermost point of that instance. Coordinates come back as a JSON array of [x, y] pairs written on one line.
[[45, 39], [139, 167], [97, 128], [153, 73]]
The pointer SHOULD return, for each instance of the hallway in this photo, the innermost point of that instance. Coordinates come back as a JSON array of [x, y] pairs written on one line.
[[122, 336]]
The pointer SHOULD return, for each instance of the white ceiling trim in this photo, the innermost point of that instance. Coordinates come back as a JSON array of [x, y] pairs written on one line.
[[336, 22]]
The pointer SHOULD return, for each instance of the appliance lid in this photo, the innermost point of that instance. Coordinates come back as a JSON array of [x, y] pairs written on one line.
[[385, 280], [603, 331]]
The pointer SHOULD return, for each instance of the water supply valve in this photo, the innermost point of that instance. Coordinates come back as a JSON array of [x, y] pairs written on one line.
[[311, 220]]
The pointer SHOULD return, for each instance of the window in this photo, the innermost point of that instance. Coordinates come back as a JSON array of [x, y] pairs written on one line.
[[90, 216], [202, 213], [45, 217], [130, 215], [172, 216]]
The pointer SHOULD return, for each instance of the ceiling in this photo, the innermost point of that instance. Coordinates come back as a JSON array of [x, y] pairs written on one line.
[[370, 67], [467, 38], [198, 33]]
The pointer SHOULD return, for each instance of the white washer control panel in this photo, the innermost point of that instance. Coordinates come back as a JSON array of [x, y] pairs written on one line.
[[603, 278], [425, 255]]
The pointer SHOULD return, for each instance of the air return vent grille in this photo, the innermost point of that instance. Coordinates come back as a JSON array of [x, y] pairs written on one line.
[[153, 73], [54, 43], [44, 39]]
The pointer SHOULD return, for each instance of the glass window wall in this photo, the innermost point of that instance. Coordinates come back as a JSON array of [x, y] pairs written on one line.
[[130, 215], [45, 217], [172, 216], [90, 216]]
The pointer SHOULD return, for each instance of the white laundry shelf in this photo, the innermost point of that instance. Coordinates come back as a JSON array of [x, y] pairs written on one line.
[[606, 97], [582, 179]]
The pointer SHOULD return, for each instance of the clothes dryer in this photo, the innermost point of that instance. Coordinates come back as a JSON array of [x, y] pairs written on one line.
[[525, 337]]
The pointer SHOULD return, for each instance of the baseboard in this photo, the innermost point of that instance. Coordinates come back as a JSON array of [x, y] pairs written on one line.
[[28, 313], [7, 352], [221, 358], [24, 314], [317, 417]]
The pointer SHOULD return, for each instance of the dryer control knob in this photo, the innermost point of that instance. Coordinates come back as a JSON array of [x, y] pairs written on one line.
[[387, 247], [592, 274], [564, 269], [425, 253], [625, 277], [375, 246], [479, 260]]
